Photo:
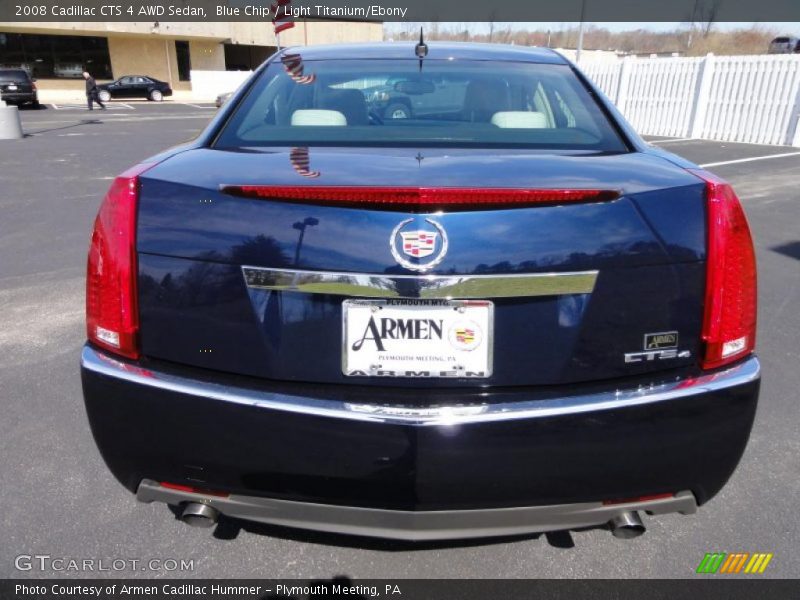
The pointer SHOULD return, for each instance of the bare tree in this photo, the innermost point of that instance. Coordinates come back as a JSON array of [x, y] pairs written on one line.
[[703, 16], [492, 17], [709, 16], [752, 40]]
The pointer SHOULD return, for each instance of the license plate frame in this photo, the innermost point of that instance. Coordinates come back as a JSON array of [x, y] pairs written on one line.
[[465, 342]]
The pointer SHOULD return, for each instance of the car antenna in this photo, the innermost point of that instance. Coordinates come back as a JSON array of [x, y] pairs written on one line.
[[421, 49]]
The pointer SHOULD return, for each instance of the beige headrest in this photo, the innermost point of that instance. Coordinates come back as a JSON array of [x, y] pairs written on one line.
[[325, 118], [518, 119]]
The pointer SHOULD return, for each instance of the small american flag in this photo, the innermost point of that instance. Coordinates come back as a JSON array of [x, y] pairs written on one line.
[[280, 20], [301, 162], [293, 65]]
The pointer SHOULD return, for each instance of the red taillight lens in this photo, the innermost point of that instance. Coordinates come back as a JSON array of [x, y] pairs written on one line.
[[112, 318], [649, 498], [729, 325], [415, 199], [192, 489]]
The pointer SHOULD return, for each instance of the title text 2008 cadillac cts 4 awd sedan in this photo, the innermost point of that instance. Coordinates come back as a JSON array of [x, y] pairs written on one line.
[[496, 312]]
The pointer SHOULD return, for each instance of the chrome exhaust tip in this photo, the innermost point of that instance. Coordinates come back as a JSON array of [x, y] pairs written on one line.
[[199, 515], [627, 526]]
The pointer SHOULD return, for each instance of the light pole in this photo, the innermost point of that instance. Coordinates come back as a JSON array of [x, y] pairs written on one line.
[[301, 226], [579, 49]]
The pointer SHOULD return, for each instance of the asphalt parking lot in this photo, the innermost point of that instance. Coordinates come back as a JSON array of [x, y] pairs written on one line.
[[59, 499]]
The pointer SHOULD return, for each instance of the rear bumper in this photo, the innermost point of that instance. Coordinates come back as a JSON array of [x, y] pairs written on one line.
[[417, 525], [19, 97], [514, 461]]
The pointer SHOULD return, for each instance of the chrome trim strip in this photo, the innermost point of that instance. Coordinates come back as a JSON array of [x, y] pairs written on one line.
[[417, 525], [514, 285], [742, 373]]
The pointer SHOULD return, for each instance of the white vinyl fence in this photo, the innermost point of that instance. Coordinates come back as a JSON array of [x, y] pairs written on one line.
[[207, 85], [753, 99]]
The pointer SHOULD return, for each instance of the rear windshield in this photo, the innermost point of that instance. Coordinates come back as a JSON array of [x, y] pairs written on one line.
[[14, 75], [781, 40], [401, 103]]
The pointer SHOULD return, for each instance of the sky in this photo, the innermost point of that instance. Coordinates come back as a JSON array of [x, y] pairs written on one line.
[[784, 27]]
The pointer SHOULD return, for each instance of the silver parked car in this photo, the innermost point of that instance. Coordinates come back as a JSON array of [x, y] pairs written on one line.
[[222, 99]]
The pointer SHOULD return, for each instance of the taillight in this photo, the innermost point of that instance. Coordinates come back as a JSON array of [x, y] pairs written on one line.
[[729, 324], [180, 487], [112, 318], [649, 498], [417, 199]]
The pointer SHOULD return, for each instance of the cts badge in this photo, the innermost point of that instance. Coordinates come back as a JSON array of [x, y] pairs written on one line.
[[418, 246]]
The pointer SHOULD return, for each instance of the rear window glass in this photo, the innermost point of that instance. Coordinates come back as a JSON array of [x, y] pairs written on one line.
[[397, 102], [20, 76]]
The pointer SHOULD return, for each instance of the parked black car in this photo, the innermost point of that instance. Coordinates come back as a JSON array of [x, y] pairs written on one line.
[[17, 87], [134, 86], [407, 98], [387, 102], [785, 45]]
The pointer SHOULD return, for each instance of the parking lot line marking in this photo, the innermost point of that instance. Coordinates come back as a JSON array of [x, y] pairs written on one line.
[[104, 133], [199, 106], [674, 140], [120, 118], [131, 119], [73, 106], [751, 159]]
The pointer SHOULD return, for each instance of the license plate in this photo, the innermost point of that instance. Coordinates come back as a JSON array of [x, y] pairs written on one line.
[[417, 338], [11, 88]]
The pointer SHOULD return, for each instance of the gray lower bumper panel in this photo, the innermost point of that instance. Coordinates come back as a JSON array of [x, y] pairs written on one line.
[[417, 526]]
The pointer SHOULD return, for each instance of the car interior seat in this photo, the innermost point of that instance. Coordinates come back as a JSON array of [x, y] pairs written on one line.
[[351, 103], [483, 98]]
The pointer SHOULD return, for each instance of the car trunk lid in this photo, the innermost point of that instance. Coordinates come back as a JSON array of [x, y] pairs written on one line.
[[626, 275]]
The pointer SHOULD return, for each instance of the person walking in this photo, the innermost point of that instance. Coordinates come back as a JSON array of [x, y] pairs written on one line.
[[91, 92]]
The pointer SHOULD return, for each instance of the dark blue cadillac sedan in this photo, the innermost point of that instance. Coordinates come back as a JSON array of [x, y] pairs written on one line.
[[496, 311]]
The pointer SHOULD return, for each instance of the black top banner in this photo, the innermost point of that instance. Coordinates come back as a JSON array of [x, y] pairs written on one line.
[[746, 11]]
